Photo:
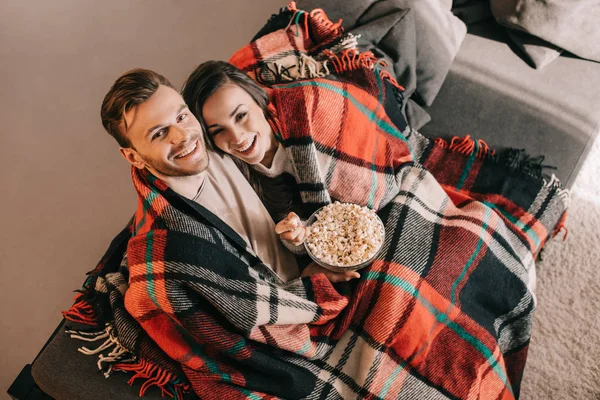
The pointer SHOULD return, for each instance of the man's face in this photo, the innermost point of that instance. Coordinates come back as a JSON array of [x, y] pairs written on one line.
[[166, 138]]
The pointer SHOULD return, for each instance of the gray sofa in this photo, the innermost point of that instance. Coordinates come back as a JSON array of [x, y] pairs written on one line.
[[493, 94], [490, 93]]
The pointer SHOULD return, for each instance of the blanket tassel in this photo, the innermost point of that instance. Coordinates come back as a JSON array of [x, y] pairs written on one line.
[[560, 227], [155, 376], [81, 312], [296, 17], [351, 59], [323, 28], [469, 146], [120, 359], [563, 194], [515, 159]]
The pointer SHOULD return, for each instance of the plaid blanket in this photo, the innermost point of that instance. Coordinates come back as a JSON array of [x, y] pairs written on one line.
[[446, 310]]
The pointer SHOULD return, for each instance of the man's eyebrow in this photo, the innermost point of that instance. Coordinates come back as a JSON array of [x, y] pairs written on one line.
[[155, 127], [230, 115]]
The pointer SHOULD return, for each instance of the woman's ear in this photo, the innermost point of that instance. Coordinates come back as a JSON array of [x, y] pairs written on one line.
[[132, 157]]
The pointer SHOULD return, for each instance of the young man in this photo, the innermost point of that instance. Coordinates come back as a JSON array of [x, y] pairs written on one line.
[[157, 133], [180, 289]]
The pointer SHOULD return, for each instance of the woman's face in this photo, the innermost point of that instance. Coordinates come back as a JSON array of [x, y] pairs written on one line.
[[238, 125]]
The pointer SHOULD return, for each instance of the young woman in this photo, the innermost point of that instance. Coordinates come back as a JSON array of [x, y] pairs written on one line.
[[300, 146]]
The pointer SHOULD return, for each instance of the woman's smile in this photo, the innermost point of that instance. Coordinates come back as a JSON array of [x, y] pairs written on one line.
[[247, 147]]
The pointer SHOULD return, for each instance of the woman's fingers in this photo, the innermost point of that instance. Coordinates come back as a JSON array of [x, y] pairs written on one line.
[[300, 238], [293, 235], [289, 223], [291, 229]]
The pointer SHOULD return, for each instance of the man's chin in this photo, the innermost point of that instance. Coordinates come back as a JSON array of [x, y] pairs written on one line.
[[181, 172]]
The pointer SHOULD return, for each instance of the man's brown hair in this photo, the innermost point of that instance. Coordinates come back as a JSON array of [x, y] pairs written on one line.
[[131, 89]]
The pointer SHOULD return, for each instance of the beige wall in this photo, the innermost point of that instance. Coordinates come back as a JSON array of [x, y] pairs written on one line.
[[65, 190]]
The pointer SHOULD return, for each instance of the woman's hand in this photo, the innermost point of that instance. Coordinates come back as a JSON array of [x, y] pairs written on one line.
[[334, 277], [291, 229]]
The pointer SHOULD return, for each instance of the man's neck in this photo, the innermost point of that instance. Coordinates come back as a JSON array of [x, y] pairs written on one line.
[[186, 186]]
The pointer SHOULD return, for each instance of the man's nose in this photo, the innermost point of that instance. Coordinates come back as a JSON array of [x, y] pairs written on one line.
[[179, 134]]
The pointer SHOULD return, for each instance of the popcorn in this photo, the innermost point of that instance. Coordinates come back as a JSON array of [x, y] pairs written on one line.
[[345, 234]]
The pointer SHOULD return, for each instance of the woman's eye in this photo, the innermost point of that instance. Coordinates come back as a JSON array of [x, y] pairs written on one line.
[[240, 116], [215, 132]]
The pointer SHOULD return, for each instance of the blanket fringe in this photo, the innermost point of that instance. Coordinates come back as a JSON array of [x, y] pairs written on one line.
[[306, 67], [117, 354], [515, 159], [296, 17], [324, 29], [120, 359], [466, 146], [319, 16], [154, 376], [563, 194], [351, 59], [81, 312], [560, 227], [349, 42]]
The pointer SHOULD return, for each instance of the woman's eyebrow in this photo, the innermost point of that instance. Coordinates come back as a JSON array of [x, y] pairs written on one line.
[[234, 111], [230, 115]]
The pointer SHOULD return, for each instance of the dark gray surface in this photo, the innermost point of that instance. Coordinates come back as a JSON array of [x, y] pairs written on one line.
[[64, 373], [492, 94]]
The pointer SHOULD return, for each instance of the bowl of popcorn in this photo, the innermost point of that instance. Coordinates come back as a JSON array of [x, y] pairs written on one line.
[[344, 236]]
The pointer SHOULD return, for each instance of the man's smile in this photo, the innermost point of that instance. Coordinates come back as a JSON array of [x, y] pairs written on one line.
[[186, 152]]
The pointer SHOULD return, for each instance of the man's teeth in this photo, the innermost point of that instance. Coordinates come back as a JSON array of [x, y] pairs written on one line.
[[187, 152], [248, 146]]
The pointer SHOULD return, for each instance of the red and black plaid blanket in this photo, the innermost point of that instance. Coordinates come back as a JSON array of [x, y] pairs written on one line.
[[446, 310]]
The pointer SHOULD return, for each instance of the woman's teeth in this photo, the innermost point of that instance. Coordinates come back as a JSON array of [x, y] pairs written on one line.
[[246, 148], [188, 152]]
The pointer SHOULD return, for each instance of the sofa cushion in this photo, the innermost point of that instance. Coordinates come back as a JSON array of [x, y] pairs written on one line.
[[569, 25], [538, 51]]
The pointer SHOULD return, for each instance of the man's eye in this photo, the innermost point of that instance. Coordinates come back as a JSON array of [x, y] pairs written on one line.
[[181, 117], [240, 116], [159, 134]]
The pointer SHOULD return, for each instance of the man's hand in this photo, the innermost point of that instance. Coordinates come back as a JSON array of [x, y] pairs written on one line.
[[291, 229], [334, 277]]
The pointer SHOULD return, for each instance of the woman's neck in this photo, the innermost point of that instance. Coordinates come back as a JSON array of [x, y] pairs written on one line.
[[267, 160]]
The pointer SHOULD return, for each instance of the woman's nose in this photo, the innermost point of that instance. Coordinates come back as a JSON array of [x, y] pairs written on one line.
[[236, 135]]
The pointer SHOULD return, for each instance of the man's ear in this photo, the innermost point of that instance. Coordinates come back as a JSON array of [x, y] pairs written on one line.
[[132, 157]]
